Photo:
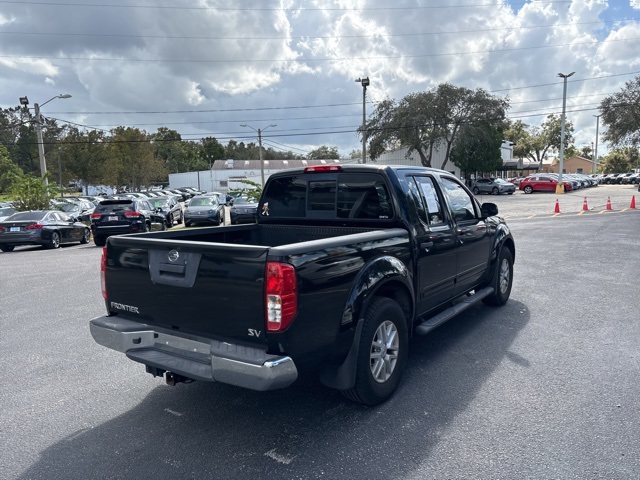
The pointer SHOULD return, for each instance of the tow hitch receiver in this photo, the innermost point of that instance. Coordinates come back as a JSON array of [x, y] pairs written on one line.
[[173, 379]]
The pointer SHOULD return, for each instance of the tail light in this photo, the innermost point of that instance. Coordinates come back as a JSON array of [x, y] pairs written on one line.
[[132, 214], [281, 296], [103, 272], [1, 229], [34, 226], [96, 216]]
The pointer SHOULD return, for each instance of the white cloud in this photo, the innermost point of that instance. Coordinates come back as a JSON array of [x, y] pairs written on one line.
[[286, 61]]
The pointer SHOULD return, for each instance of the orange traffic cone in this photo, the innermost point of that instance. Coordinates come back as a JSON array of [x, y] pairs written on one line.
[[633, 202], [584, 205], [608, 207], [557, 209]]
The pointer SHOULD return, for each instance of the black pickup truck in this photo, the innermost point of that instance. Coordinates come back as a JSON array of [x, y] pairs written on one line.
[[343, 266]]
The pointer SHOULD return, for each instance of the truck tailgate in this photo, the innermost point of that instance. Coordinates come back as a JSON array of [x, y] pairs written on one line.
[[209, 289]]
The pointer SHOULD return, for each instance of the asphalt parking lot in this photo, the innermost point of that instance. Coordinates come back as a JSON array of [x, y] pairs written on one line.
[[544, 387], [521, 205]]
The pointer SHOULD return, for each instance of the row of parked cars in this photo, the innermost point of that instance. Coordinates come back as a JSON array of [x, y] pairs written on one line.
[[75, 219], [630, 178]]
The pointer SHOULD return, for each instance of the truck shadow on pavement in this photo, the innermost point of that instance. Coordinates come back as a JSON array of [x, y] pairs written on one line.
[[218, 431]]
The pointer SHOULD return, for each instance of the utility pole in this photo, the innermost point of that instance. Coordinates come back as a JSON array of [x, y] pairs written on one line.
[[595, 154], [43, 164], [365, 84], [259, 131], [560, 186]]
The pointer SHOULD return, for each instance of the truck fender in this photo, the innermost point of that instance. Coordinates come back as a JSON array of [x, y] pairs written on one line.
[[501, 240], [370, 280]]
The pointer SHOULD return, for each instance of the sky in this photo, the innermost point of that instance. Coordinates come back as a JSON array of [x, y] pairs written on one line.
[[290, 67]]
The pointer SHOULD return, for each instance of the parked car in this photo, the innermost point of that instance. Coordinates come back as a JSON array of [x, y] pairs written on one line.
[[119, 216], [542, 183], [5, 212], [79, 211], [204, 209], [243, 210], [169, 207], [494, 186], [630, 178], [49, 228]]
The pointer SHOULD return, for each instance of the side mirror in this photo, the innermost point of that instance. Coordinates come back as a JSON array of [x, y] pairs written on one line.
[[488, 210]]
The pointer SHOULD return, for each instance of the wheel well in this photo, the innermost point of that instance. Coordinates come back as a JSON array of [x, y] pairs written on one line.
[[508, 243], [398, 292]]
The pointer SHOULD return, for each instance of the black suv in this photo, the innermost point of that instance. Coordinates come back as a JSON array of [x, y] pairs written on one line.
[[169, 207], [118, 216]]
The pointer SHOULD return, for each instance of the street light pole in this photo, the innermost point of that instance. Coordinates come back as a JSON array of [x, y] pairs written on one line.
[[560, 186], [260, 148], [595, 154], [43, 164], [365, 84]]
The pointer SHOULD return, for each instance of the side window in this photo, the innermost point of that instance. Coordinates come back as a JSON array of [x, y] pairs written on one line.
[[414, 194], [461, 203], [431, 200]]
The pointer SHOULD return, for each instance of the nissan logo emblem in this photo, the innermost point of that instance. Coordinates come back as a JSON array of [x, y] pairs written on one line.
[[173, 255]]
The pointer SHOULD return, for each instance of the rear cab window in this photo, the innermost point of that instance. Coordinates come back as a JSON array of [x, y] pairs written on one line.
[[356, 196]]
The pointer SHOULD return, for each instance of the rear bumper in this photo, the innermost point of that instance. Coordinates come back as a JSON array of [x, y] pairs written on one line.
[[194, 357]]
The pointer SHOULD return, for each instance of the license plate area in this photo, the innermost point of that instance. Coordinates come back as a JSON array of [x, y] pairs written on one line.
[[112, 219], [14, 229]]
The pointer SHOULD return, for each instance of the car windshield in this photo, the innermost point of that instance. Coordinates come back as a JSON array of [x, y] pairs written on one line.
[[245, 201], [22, 216], [202, 201], [160, 202], [69, 207], [6, 211]]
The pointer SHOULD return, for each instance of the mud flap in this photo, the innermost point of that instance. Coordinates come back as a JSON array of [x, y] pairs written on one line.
[[342, 377]]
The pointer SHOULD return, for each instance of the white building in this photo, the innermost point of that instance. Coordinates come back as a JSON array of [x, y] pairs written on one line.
[[229, 174]]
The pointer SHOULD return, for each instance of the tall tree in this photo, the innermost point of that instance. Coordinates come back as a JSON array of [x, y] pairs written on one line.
[[84, 156], [10, 173], [324, 152], [477, 148], [616, 161], [535, 142], [428, 120], [621, 115], [130, 160], [212, 150]]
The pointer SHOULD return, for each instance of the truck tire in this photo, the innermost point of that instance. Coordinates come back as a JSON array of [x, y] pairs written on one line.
[[382, 353], [502, 279]]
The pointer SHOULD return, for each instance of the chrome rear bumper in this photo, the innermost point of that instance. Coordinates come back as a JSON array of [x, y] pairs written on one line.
[[194, 357]]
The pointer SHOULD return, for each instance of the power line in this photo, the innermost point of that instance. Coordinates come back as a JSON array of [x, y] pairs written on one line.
[[264, 9], [311, 60], [312, 37]]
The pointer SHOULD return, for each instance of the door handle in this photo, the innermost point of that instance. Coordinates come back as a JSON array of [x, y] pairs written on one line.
[[426, 246]]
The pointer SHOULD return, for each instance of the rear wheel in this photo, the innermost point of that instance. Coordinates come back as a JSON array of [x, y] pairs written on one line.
[[86, 236], [99, 241], [528, 189], [502, 279], [7, 248], [476, 190], [382, 353], [54, 241]]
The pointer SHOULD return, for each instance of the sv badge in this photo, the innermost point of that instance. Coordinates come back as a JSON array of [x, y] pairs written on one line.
[[254, 333]]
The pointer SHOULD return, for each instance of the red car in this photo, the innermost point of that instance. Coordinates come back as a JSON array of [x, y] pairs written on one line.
[[542, 183]]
